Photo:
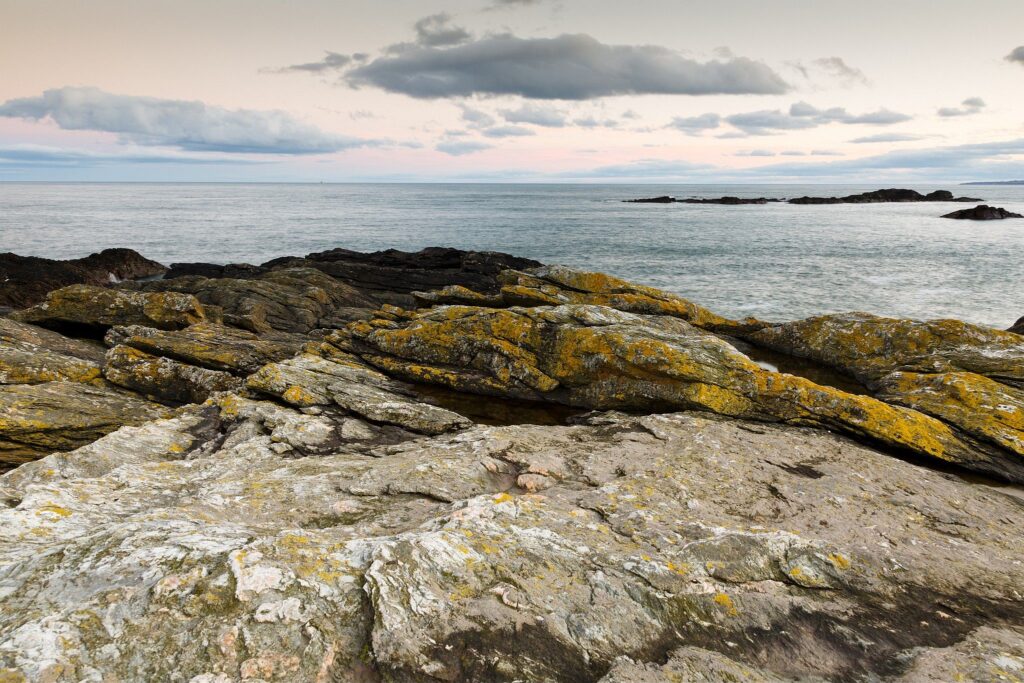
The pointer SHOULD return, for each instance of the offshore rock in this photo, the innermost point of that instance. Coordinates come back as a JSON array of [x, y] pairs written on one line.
[[164, 379], [199, 549], [886, 196], [38, 419], [869, 347], [309, 380], [86, 310], [602, 358], [288, 300], [33, 355], [983, 213], [25, 280], [209, 345]]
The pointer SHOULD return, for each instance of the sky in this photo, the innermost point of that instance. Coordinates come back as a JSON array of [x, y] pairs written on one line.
[[746, 91]]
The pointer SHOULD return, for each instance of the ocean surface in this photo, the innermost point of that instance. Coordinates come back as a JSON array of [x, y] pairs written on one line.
[[776, 261]]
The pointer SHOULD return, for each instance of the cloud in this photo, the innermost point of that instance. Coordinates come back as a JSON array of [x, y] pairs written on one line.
[[802, 116], [535, 114], [43, 156], [645, 168], [1017, 55], [332, 61], [569, 67], [437, 31], [476, 118], [458, 148], [887, 137], [970, 106], [188, 125], [594, 122], [507, 132], [694, 125], [755, 153], [841, 71]]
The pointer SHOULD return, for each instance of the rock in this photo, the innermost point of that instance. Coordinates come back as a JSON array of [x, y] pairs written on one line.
[[25, 280], [869, 347], [556, 285], [191, 549], [983, 213], [1018, 327], [33, 355], [289, 300], [664, 199], [38, 419], [729, 201], [689, 664], [601, 358], [310, 380], [164, 379], [886, 196], [209, 345], [87, 310], [238, 271]]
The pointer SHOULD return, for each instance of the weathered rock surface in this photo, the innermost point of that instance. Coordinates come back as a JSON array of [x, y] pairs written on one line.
[[869, 347], [602, 358], [983, 213], [164, 379], [33, 355], [191, 549], [1018, 327], [38, 419], [289, 300], [89, 309], [25, 280]]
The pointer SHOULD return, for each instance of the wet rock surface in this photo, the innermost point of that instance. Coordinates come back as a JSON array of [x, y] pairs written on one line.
[[462, 466], [25, 280]]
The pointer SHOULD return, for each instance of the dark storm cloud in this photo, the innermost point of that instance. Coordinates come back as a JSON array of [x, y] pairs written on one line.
[[569, 67], [972, 105], [187, 125]]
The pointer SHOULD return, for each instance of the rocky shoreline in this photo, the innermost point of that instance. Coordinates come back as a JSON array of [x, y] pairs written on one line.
[[468, 466], [888, 196]]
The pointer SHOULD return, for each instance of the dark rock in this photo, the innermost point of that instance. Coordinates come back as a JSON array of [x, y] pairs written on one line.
[[1018, 327], [664, 199], [983, 213], [238, 271], [728, 201], [886, 196], [25, 280]]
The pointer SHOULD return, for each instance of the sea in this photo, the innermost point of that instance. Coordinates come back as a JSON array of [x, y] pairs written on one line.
[[775, 261]]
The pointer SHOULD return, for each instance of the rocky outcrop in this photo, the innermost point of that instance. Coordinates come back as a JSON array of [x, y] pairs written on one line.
[[886, 196], [38, 419], [164, 379], [1018, 327], [983, 213], [33, 355], [289, 300], [25, 280], [88, 310], [201, 549], [728, 201]]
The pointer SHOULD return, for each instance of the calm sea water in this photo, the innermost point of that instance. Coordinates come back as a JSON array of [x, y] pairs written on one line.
[[777, 261]]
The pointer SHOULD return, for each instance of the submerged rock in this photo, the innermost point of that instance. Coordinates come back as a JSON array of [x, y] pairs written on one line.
[[38, 419], [25, 280], [191, 549], [983, 213], [89, 310]]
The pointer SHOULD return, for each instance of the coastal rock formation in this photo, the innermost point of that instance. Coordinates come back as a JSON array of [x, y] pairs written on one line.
[[886, 196], [38, 419], [93, 310], [621, 546], [729, 201], [1018, 327], [983, 213], [273, 474], [25, 280]]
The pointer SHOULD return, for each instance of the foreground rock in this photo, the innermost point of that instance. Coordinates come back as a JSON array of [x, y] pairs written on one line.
[[25, 280], [39, 419], [886, 196], [638, 548], [86, 310], [33, 355], [1018, 327], [983, 213]]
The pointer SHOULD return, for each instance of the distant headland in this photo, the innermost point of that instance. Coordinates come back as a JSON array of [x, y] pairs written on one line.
[[995, 182]]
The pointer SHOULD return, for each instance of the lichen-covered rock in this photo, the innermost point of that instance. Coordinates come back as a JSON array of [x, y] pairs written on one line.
[[32, 355], [598, 357], [165, 379], [38, 419], [691, 665], [983, 408], [212, 346], [197, 549], [288, 300], [869, 347], [89, 308], [310, 380]]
